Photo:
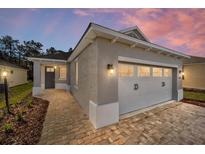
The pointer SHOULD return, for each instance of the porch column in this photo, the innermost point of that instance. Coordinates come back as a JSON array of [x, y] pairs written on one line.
[[36, 78]]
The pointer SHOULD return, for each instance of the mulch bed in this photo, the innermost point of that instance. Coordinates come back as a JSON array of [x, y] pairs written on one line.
[[28, 130], [194, 102]]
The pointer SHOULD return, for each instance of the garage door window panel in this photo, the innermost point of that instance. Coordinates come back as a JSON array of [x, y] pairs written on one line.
[[126, 70], [167, 72], [144, 71], [157, 72]]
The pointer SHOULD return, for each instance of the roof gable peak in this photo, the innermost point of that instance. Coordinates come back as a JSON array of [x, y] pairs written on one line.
[[135, 32]]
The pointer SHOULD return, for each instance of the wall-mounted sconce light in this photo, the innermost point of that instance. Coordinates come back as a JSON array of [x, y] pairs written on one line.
[[110, 68], [182, 75], [55, 67]]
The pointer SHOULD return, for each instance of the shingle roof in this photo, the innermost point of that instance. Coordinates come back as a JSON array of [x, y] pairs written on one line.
[[8, 64], [59, 56]]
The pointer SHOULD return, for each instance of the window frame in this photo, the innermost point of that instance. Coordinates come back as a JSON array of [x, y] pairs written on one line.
[[128, 73], [64, 69], [170, 74], [50, 69], [76, 72], [139, 73], [157, 68]]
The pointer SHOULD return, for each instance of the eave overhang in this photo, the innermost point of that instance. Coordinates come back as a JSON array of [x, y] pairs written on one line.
[[93, 31]]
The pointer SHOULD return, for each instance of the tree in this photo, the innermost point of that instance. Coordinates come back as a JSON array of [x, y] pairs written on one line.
[[32, 48], [9, 46], [51, 50]]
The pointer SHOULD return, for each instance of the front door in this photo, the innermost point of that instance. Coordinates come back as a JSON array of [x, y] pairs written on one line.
[[49, 77]]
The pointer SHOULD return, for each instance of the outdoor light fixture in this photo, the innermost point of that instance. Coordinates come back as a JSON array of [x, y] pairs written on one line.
[[182, 75], [110, 69], [4, 74]]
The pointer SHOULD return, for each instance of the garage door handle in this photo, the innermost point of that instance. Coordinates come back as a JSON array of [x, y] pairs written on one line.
[[163, 84], [136, 86]]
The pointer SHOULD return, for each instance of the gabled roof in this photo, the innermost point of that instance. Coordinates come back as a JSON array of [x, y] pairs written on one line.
[[195, 60], [8, 64], [135, 32], [94, 30]]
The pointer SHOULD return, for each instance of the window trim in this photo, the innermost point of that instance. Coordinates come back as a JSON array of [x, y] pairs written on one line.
[[128, 65], [76, 73], [138, 71], [60, 68], [157, 68], [170, 75]]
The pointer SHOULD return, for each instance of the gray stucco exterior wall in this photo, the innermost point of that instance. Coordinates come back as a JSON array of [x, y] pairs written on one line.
[[108, 54], [94, 82], [86, 90], [36, 74]]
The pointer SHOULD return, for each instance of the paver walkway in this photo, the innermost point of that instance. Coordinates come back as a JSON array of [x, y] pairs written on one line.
[[176, 123]]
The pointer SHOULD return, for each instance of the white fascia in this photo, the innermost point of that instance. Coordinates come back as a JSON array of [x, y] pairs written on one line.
[[46, 59]]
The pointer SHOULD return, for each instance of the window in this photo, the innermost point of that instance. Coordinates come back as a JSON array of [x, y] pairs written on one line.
[[167, 72], [76, 73], [143, 71], [126, 70], [50, 69], [62, 75], [157, 72]]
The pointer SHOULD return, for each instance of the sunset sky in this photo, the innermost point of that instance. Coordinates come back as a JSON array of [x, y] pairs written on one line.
[[178, 29]]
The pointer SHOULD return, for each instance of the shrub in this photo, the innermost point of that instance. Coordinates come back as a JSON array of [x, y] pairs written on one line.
[[1, 115], [19, 116], [8, 128], [30, 103]]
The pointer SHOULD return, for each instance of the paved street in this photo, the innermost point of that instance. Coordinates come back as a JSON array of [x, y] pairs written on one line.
[[175, 123]]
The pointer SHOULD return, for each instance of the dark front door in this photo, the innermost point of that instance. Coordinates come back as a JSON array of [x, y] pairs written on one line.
[[49, 77]]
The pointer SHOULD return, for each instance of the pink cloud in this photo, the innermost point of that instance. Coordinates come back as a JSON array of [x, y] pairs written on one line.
[[81, 12], [181, 29]]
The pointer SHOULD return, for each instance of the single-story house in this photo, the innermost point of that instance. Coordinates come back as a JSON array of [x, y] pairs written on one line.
[[111, 73], [16, 75], [194, 70]]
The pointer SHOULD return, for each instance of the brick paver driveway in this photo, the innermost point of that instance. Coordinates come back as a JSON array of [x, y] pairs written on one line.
[[176, 123]]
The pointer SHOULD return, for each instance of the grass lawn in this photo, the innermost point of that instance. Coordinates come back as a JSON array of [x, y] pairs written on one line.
[[17, 93], [194, 95]]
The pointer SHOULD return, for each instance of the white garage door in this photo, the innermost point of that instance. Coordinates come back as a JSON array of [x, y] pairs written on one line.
[[141, 86]]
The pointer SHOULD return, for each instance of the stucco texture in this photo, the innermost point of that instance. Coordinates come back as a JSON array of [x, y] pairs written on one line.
[[194, 76], [16, 76], [86, 89], [94, 82]]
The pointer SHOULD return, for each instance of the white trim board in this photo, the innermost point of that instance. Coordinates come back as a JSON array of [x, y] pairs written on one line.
[[103, 115], [133, 113], [46, 59], [140, 61]]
